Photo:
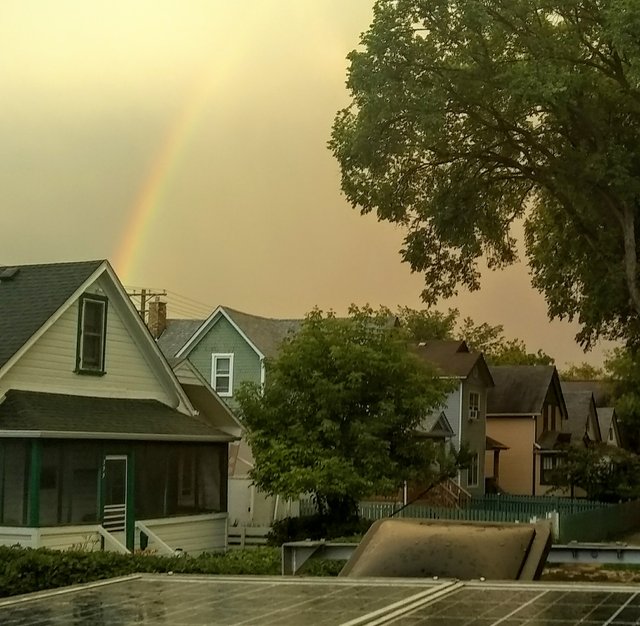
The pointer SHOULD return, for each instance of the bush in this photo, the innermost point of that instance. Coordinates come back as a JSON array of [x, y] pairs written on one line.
[[314, 527], [25, 570]]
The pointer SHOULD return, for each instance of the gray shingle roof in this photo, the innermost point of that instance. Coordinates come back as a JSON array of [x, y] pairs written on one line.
[[451, 357], [32, 296], [175, 335], [578, 410], [141, 419], [519, 389], [605, 417], [554, 440], [265, 333], [600, 388]]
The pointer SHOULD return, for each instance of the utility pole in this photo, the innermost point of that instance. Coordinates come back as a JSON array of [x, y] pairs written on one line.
[[142, 296]]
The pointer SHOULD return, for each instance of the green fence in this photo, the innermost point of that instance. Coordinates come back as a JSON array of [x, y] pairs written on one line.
[[379, 510], [534, 506], [577, 520], [601, 524]]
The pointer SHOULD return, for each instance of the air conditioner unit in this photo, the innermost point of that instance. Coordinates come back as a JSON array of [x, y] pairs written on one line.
[[474, 413]]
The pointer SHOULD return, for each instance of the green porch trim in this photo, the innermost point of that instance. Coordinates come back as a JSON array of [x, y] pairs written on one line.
[[131, 501], [35, 467]]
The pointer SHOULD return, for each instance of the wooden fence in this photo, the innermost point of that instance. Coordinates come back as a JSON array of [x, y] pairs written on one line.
[[243, 536]]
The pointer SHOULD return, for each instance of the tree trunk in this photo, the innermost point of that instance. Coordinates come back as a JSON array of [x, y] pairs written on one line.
[[630, 256], [342, 509]]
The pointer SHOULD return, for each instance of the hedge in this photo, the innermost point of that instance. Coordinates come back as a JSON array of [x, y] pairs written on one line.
[[25, 570]]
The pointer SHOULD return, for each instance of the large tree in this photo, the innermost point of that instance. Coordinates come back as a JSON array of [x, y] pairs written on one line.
[[339, 411], [427, 324], [605, 473], [468, 116]]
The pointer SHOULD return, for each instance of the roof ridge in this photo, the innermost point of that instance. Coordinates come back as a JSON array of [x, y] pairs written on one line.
[[55, 263], [261, 317]]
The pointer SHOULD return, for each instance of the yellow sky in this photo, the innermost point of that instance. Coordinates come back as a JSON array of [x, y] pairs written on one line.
[[249, 213]]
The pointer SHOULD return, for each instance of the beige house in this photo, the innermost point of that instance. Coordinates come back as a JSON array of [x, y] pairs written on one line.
[[526, 413], [465, 407]]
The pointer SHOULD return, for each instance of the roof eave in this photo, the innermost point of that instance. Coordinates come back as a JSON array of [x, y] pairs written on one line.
[[70, 434]]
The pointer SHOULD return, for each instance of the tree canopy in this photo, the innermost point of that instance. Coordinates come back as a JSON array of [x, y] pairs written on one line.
[[469, 116], [605, 473], [427, 324], [582, 371], [339, 411]]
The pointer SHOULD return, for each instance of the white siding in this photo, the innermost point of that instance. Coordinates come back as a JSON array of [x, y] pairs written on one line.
[[192, 534], [50, 363], [69, 537], [25, 537]]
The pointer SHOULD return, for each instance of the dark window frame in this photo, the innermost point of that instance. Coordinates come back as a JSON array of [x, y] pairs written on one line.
[[556, 462], [81, 366]]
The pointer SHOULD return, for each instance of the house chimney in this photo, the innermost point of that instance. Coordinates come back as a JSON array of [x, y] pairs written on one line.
[[157, 317]]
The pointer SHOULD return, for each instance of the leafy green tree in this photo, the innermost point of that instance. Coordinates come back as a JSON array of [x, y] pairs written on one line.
[[426, 324], [497, 349], [338, 414], [605, 473], [582, 371], [468, 116], [623, 369]]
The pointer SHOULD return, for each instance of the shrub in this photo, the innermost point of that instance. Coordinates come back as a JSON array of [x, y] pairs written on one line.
[[25, 570], [314, 527]]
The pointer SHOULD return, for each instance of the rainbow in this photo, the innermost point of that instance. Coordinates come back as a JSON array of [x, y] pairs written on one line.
[[159, 178]]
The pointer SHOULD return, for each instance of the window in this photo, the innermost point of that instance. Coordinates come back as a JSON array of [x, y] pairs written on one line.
[[92, 330], [472, 472], [474, 405], [180, 479], [222, 374], [549, 464]]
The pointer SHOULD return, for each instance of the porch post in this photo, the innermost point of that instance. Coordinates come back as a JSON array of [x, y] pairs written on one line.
[[131, 500], [34, 483]]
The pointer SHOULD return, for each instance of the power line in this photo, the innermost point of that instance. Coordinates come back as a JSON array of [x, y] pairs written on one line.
[[142, 297], [189, 300]]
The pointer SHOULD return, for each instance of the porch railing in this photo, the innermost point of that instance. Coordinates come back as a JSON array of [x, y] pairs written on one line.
[[163, 548], [110, 540]]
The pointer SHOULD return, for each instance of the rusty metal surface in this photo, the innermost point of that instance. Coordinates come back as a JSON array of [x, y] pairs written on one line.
[[451, 549]]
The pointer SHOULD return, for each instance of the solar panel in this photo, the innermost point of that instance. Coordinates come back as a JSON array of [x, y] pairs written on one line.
[[270, 601], [510, 605]]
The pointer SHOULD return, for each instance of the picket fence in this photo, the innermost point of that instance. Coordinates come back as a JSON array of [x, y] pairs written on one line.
[[490, 508]]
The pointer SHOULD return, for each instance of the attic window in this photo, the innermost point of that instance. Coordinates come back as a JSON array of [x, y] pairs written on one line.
[[92, 331], [474, 405]]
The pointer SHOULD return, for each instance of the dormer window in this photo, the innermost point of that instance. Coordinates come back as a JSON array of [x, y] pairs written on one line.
[[92, 332], [474, 405]]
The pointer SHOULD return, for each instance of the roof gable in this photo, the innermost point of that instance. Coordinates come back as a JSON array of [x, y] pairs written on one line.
[[581, 414], [601, 389], [32, 296], [522, 389], [176, 335], [264, 335], [74, 279], [453, 358]]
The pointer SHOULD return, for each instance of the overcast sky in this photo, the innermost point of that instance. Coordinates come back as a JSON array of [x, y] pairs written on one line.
[[186, 143]]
